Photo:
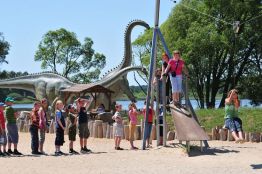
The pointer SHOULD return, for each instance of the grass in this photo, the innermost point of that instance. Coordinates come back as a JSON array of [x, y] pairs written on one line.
[[251, 118], [210, 118]]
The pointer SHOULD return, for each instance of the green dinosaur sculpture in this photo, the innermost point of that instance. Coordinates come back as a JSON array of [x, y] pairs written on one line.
[[48, 84]]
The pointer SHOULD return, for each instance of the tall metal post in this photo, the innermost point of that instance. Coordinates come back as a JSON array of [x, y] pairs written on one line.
[[151, 71], [157, 112], [164, 109]]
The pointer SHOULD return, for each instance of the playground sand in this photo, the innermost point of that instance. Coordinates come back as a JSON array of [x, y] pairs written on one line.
[[222, 157]]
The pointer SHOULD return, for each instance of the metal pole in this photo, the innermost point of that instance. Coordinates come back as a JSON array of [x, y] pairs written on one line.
[[157, 111], [152, 64], [157, 13], [164, 108]]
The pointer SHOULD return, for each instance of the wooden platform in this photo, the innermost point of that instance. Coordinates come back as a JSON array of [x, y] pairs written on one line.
[[187, 128]]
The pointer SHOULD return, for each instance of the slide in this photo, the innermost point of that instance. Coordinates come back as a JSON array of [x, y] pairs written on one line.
[[187, 128]]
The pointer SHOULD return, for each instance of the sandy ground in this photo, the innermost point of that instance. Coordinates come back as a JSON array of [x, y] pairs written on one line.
[[221, 157]]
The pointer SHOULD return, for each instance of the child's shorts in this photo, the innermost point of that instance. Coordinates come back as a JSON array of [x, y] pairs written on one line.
[[12, 133], [233, 124], [83, 130], [3, 139], [59, 139], [72, 133], [118, 130]]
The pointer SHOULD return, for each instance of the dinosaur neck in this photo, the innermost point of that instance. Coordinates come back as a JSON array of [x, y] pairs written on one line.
[[127, 60]]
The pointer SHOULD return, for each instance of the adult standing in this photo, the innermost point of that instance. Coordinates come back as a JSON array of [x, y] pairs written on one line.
[[176, 67], [165, 60]]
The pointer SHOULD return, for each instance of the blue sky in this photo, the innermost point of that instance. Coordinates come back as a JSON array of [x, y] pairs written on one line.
[[23, 23]]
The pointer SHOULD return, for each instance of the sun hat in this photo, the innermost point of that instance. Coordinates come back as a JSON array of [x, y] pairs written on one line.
[[9, 99]]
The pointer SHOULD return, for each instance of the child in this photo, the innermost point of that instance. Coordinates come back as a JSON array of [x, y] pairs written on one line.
[[118, 127], [72, 128], [12, 130], [149, 123], [2, 132], [60, 127], [34, 129], [83, 123], [132, 125], [42, 123], [232, 120]]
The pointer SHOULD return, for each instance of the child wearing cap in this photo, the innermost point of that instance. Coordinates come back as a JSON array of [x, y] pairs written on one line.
[[3, 141], [118, 127], [72, 128], [12, 130]]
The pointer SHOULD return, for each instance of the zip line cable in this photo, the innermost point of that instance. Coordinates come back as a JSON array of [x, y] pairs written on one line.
[[219, 18]]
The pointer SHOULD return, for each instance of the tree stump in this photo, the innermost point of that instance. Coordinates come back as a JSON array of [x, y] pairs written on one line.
[[223, 134], [90, 127], [108, 131], [215, 134], [126, 131], [254, 137], [170, 135], [112, 132], [98, 132], [246, 136], [153, 133], [138, 134], [104, 126], [229, 136]]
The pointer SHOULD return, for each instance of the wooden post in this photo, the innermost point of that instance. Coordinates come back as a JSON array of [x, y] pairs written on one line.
[[254, 137], [112, 132], [229, 136], [170, 135], [104, 126], [223, 134], [246, 136], [214, 134], [126, 131], [108, 131]]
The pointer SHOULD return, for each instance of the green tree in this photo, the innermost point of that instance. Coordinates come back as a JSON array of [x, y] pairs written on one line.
[[217, 54], [4, 48], [61, 48]]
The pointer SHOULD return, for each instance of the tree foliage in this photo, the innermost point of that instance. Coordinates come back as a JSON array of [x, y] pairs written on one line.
[[217, 53], [4, 48], [61, 48]]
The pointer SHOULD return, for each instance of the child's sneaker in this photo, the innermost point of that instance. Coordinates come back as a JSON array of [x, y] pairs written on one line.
[[86, 149], [16, 152], [6, 153], [10, 151]]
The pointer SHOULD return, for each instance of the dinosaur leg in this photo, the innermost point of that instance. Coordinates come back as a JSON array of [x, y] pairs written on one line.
[[124, 85], [40, 90]]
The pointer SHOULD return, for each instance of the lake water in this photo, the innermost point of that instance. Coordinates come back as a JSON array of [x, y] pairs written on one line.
[[140, 104]]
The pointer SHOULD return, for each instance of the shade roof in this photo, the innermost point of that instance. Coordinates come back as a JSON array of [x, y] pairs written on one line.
[[79, 88]]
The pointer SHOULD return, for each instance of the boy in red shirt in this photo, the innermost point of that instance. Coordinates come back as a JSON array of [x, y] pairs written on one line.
[[149, 123]]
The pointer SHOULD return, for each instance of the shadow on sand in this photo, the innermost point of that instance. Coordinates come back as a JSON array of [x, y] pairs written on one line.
[[196, 151], [256, 166]]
